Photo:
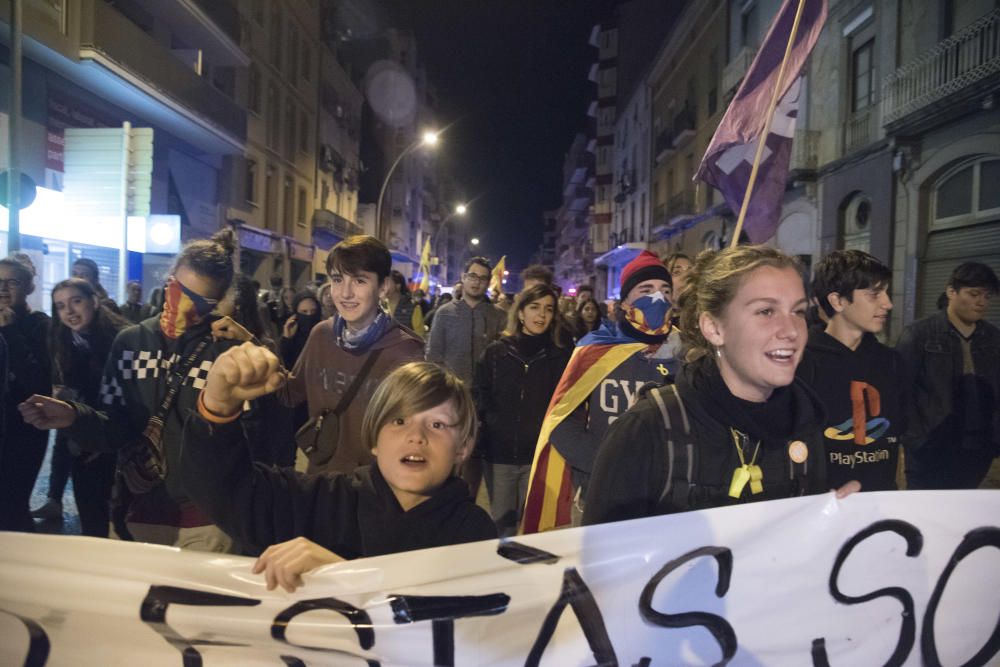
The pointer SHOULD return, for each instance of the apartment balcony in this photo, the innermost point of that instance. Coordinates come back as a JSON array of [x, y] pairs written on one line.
[[132, 69], [664, 146], [805, 151], [212, 26], [680, 204], [329, 223], [951, 74], [736, 69], [861, 129], [684, 124]]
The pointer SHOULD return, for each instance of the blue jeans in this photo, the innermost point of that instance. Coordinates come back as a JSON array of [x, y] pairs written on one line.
[[508, 488]]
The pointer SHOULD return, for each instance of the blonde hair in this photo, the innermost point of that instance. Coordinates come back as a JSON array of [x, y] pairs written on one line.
[[713, 282], [413, 388]]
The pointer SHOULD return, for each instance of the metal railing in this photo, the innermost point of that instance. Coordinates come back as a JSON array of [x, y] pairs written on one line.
[[681, 203], [955, 63], [861, 129]]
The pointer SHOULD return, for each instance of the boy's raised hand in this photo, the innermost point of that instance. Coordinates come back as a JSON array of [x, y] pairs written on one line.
[[241, 374], [283, 564]]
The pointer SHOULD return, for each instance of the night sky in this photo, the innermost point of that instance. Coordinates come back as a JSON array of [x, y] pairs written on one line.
[[511, 75]]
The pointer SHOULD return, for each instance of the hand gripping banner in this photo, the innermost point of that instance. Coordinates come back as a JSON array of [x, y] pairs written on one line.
[[894, 578]]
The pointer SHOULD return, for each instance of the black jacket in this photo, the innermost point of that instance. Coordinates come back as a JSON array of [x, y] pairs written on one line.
[[630, 472], [932, 355], [863, 394], [514, 382], [354, 516], [29, 371], [134, 383]]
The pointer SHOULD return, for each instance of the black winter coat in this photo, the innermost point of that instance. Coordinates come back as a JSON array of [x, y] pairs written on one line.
[[630, 472], [514, 382], [354, 516]]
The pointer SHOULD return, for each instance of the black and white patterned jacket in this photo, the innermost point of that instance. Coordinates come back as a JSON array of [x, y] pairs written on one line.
[[134, 384]]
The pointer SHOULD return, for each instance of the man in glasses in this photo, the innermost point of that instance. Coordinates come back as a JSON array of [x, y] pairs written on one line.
[[461, 331]]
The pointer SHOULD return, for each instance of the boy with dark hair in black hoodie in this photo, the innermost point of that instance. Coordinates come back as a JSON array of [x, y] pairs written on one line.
[[858, 379]]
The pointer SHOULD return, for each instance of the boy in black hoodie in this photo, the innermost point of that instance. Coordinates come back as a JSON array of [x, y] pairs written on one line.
[[420, 425], [858, 379]]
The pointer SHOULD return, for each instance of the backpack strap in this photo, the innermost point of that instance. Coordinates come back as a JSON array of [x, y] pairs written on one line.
[[680, 457]]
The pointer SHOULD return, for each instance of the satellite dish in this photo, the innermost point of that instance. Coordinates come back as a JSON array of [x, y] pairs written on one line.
[[391, 93]]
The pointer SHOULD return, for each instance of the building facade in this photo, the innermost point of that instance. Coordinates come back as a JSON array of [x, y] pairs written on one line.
[[173, 67]]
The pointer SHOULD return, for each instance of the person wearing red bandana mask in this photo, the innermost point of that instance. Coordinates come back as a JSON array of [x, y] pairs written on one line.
[[608, 368], [148, 362]]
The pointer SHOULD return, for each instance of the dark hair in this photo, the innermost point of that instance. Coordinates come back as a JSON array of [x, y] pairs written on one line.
[[22, 273], [443, 298], [90, 264], [537, 272], [842, 272], [974, 274], [482, 261], [581, 326], [525, 297], [103, 330], [360, 253], [134, 282], [400, 281], [245, 309], [586, 287], [302, 296], [211, 258]]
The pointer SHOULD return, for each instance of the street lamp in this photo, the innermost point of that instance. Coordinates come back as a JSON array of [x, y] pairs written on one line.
[[474, 241], [428, 138], [460, 211]]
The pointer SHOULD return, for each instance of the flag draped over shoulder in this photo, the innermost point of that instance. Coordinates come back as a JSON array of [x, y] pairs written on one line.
[[729, 158], [425, 266], [550, 492]]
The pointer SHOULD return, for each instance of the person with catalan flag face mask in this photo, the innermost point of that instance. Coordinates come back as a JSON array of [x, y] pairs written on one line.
[[608, 368], [154, 373]]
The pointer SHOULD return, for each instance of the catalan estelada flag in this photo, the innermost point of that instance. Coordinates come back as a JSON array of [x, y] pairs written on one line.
[[550, 490]]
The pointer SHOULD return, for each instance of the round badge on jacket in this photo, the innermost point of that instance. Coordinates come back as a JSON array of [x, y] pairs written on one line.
[[798, 451]]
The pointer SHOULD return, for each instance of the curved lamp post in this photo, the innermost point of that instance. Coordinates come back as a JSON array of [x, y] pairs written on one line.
[[428, 138]]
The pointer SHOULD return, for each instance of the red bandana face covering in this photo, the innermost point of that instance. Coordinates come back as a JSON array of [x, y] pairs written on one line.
[[182, 309]]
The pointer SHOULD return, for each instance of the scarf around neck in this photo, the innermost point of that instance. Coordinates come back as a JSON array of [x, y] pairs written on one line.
[[363, 339]]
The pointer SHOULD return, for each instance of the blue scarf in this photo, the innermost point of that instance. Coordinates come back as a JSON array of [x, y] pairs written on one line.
[[359, 341]]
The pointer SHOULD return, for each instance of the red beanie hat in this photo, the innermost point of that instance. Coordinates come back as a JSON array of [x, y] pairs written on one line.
[[646, 266]]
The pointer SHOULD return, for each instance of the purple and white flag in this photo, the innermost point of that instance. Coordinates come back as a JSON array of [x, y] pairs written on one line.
[[729, 157]]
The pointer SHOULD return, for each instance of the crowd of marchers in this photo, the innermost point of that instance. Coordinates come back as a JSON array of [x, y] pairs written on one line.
[[358, 419]]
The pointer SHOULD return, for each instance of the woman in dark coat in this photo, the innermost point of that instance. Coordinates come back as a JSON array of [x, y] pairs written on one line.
[[514, 382], [80, 340]]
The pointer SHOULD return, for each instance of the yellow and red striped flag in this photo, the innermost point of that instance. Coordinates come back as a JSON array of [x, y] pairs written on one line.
[[550, 490]]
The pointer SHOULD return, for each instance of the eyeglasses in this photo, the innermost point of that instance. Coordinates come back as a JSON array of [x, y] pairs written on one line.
[[476, 277], [10, 282]]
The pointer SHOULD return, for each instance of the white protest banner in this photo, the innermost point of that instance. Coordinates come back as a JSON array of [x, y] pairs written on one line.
[[895, 578]]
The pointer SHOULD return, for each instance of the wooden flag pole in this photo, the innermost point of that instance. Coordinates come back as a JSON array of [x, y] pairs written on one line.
[[767, 126]]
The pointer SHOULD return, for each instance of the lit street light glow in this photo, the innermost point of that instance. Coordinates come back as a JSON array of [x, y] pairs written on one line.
[[461, 209], [474, 241], [430, 138]]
